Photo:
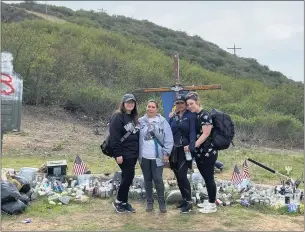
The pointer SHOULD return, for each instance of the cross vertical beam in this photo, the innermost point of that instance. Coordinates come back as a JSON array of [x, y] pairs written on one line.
[[176, 70], [168, 93], [234, 48]]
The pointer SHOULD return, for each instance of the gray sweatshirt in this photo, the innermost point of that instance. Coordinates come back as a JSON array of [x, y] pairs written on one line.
[[162, 131]]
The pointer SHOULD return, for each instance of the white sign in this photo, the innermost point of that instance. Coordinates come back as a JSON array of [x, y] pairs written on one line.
[[11, 84], [7, 63]]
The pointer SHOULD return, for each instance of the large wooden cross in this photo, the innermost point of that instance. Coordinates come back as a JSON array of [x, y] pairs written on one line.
[[178, 88]]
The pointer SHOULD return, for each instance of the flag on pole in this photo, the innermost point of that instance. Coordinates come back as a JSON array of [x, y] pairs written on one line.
[[79, 166], [236, 176], [245, 173]]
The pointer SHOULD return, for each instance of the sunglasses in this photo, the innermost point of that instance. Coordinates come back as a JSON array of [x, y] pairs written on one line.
[[179, 103]]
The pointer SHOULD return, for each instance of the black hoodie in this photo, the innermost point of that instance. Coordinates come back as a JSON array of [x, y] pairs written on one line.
[[120, 124]]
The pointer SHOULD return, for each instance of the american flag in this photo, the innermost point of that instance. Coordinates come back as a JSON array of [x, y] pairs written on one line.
[[236, 176], [79, 166], [246, 174]]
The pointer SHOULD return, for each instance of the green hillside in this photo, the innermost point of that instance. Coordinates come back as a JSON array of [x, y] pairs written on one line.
[[14, 14], [88, 69], [192, 48]]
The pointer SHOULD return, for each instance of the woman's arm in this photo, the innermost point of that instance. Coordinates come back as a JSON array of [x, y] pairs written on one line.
[[206, 131], [207, 125], [192, 131], [115, 129], [168, 139]]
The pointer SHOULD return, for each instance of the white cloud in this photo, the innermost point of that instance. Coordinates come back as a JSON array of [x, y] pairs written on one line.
[[282, 32]]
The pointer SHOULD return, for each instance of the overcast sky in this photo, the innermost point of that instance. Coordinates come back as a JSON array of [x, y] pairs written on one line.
[[270, 32]]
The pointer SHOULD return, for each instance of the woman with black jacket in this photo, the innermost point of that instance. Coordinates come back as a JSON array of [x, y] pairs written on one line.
[[124, 139], [184, 132]]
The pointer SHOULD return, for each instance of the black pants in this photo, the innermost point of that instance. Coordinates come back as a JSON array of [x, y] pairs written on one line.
[[206, 166], [152, 172], [128, 172], [180, 168]]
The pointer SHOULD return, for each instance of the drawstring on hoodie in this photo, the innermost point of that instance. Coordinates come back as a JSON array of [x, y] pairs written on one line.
[[156, 147]]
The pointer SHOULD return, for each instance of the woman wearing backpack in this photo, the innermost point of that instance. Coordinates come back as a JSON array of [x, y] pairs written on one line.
[[124, 140], [156, 143], [184, 132], [205, 155]]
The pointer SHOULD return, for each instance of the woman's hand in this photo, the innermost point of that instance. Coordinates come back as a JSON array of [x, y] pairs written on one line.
[[119, 159], [187, 148], [197, 144], [165, 158], [171, 114]]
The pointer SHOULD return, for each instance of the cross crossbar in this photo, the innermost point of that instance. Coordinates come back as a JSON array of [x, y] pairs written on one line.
[[178, 87]]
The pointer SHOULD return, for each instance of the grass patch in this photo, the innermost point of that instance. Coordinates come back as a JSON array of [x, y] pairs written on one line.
[[95, 163], [41, 208], [99, 163], [97, 214], [275, 160], [132, 226]]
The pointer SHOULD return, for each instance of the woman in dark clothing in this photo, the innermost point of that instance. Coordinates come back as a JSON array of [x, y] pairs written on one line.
[[183, 127], [124, 139], [205, 155]]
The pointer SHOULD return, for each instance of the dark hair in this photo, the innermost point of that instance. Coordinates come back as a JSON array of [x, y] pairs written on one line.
[[153, 101], [134, 112], [192, 95]]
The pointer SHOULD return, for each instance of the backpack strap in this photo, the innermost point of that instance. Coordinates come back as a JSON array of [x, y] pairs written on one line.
[[125, 136], [156, 140], [128, 132]]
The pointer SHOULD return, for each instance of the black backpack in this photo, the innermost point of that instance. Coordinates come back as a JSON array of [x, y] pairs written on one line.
[[223, 130], [106, 148]]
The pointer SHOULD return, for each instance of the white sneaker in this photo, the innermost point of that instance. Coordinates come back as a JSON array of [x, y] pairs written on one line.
[[211, 208], [205, 204]]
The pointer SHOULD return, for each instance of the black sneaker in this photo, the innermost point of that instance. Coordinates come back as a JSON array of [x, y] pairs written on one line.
[[187, 208], [149, 205], [119, 208], [128, 208], [162, 205], [181, 203]]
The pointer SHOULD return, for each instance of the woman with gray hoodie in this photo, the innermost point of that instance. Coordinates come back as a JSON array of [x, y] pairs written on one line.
[[155, 146]]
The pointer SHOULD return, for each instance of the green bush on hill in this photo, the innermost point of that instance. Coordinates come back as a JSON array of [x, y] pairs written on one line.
[[88, 69], [192, 48]]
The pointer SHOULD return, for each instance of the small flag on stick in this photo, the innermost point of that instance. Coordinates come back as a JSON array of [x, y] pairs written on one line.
[[245, 173], [79, 166], [236, 176]]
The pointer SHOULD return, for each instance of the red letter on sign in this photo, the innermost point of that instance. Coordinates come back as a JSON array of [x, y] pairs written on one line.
[[8, 83]]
